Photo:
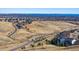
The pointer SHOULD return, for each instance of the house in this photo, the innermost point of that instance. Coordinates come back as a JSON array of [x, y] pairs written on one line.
[[66, 38]]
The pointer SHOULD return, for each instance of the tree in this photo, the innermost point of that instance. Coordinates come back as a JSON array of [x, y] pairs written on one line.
[[29, 21]]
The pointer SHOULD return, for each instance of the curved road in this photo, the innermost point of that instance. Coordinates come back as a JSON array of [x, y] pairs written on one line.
[[11, 33], [30, 41], [26, 43]]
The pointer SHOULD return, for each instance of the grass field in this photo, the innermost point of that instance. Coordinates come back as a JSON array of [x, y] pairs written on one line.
[[35, 28]]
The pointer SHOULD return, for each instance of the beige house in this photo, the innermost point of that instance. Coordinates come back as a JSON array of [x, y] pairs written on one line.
[[74, 35]]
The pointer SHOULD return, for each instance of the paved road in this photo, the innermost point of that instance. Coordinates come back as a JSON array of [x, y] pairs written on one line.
[[26, 43], [30, 41], [11, 33]]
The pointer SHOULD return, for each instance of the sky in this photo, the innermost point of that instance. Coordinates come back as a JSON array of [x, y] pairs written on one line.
[[39, 10]]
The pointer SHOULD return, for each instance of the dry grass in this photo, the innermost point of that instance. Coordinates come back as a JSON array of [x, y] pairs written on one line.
[[37, 27]]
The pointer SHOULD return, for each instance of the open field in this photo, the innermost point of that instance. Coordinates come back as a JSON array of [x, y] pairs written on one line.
[[22, 38]]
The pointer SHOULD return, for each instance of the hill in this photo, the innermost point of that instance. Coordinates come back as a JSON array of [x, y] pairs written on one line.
[[35, 28]]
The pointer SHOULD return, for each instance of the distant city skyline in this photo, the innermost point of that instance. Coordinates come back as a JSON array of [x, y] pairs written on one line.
[[39, 10]]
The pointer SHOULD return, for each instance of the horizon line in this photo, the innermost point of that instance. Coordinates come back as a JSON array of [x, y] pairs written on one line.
[[38, 13]]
